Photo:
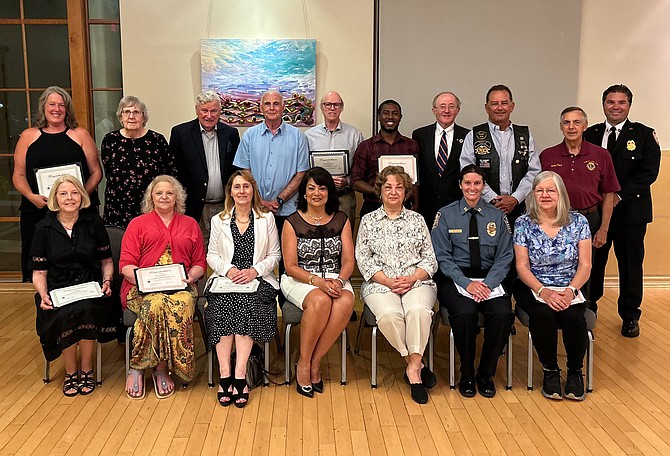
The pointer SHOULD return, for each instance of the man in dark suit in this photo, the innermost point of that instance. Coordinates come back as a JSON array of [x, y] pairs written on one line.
[[204, 149], [636, 155], [438, 179]]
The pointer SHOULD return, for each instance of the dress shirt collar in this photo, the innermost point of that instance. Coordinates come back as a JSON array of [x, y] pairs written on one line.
[[619, 127], [209, 133], [465, 207], [493, 127], [380, 214], [338, 128], [379, 138], [583, 149], [267, 130], [439, 129]]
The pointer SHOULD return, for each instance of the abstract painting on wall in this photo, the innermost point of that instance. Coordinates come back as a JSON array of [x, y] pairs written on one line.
[[240, 71]]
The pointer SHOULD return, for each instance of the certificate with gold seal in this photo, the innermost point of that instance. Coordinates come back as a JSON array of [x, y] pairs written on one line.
[[47, 176], [406, 162], [67, 295], [336, 162], [164, 279]]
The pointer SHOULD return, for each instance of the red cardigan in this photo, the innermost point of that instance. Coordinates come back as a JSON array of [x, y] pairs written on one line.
[[147, 237]]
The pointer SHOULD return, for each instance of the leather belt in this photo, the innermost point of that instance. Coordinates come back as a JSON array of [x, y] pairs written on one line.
[[588, 210]]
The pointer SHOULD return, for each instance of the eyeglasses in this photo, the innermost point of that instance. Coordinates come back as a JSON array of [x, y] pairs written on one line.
[[547, 191], [128, 112], [450, 107], [329, 105]]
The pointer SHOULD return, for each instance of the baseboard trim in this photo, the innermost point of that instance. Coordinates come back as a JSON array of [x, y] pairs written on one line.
[[649, 282]]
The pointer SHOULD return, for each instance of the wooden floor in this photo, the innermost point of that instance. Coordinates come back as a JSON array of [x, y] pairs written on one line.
[[628, 413]]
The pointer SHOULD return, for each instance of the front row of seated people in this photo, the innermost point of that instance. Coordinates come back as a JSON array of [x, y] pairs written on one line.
[[471, 242]]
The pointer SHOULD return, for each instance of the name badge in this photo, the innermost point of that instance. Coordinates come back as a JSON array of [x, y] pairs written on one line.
[[455, 231]]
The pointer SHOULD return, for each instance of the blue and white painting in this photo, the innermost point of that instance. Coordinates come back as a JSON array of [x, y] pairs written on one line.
[[240, 71]]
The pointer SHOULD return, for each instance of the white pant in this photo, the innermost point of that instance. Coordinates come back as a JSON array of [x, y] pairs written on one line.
[[404, 320]]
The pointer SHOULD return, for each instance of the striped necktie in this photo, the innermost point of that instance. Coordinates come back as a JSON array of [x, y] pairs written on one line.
[[442, 154]]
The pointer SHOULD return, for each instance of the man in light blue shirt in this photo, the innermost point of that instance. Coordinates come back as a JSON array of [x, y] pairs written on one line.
[[278, 157]]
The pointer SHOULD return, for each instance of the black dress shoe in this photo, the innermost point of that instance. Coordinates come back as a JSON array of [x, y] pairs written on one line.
[[306, 391], [419, 392], [630, 328], [486, 387], [466, 386], [428, 378]]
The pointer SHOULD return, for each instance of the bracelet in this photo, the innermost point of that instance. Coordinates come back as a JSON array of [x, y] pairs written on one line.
[[311, 279], [539, 292], [341, 280]]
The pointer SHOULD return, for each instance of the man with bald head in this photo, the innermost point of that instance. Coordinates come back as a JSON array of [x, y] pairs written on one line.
[[440, 146], [334, 134]]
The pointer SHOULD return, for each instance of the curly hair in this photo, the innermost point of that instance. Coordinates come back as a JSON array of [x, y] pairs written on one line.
[[148, 202], [397, 171]]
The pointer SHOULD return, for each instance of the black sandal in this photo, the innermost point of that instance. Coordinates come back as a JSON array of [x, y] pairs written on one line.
[[86, 381], [71, 383], [238, 385], [225, 383]]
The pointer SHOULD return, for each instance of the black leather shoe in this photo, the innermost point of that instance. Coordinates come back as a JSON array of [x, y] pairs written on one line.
[[318, 386], [486, 387], [466, 386], [630, 328], [419, 393], [428, 378]]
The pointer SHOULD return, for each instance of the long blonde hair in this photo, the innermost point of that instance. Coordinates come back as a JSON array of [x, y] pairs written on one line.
[[229, 203]]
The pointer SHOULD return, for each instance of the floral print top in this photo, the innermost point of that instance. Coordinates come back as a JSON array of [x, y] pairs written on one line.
[[395, 246], [130, 165], [553, 261]]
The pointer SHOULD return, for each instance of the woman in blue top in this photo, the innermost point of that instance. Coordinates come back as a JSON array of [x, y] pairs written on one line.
[[552, 247]]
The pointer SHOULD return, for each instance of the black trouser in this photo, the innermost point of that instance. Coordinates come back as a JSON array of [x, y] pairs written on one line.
[[27, 224], [595, 220], [628, 241], [464, 321], [544, 325], [279, 220]]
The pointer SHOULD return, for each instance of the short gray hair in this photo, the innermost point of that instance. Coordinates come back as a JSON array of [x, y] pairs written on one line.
[[207, 97], [130, 100]]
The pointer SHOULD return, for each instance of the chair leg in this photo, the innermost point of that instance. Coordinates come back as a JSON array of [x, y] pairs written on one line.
[[287, 353], [280, 347], [452, 361], [589, 363], [431, 349], [508, 356], [47, 371], [345, 342], [266, 380], [129, 338], [98, 364], [373, 379], [210, 369], [357, 350], [530, 362]]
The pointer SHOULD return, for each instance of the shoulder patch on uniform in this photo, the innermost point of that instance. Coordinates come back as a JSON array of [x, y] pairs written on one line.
[[437, 220], [509, 228]]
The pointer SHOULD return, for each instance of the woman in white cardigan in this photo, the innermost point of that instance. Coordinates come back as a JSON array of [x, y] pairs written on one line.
[[243, 252]]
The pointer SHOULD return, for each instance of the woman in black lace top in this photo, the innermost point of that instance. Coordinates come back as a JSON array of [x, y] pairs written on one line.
[[318, 251]]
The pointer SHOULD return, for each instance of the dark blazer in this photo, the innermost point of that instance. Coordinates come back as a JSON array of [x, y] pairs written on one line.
[[189, 152], [436, 192], [636, 158]]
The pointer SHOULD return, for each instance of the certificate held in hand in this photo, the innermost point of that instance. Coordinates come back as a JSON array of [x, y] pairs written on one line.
[[164, 279]]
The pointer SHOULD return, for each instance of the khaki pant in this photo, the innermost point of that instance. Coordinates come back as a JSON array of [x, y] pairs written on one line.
[[208, 211], [404, 320], [348, 206]]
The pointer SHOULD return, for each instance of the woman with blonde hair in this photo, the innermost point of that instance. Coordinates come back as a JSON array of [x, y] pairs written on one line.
[[244, 249]]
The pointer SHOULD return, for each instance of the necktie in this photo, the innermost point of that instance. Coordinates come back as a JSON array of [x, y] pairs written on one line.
[[442, 154], [611, 139], [473, 240]]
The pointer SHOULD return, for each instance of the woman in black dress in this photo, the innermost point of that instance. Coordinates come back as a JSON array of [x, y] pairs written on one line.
[[54, 140], [71, 247], [132, 157], [243, 247]]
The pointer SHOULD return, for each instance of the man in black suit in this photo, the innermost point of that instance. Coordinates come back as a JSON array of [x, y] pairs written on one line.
[[636, 155], [438, 179], [204, 149]]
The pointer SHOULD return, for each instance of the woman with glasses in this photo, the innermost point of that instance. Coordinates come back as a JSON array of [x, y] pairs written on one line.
[[132, 157]]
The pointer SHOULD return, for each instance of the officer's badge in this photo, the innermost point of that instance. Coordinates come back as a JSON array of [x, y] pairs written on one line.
[[491, 229], [437, 220], [630, 145], [591, 165]]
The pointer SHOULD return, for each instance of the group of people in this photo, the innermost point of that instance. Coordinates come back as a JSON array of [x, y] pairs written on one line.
[[506, 221]]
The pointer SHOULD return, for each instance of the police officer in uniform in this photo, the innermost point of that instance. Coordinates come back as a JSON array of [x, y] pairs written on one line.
[[473, 245], [636, 155], [505, 152]]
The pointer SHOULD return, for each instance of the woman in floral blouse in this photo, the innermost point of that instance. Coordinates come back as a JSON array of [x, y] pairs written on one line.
[[131, 158], [396, 258], [553, 259]]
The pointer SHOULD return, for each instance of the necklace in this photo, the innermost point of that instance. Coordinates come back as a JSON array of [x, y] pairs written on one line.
[[316, 219], [69, 226]]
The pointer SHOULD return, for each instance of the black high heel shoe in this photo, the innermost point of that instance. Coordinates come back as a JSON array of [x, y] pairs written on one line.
[[307, 391], [318, 386], [224, 383], [238, 385]]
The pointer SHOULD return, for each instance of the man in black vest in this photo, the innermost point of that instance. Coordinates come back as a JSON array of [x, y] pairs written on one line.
[[505, 152], [636, 155], [440, 146]]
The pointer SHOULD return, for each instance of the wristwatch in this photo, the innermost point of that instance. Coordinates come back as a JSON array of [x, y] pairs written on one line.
[[280, 201], [575, 291]]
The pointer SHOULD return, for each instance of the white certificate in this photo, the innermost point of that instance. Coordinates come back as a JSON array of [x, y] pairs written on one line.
[[68, 295], [495, 293], [47, 176], [336, 162], [225, 285], [406, 162], [577, 300], [169, 277]]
